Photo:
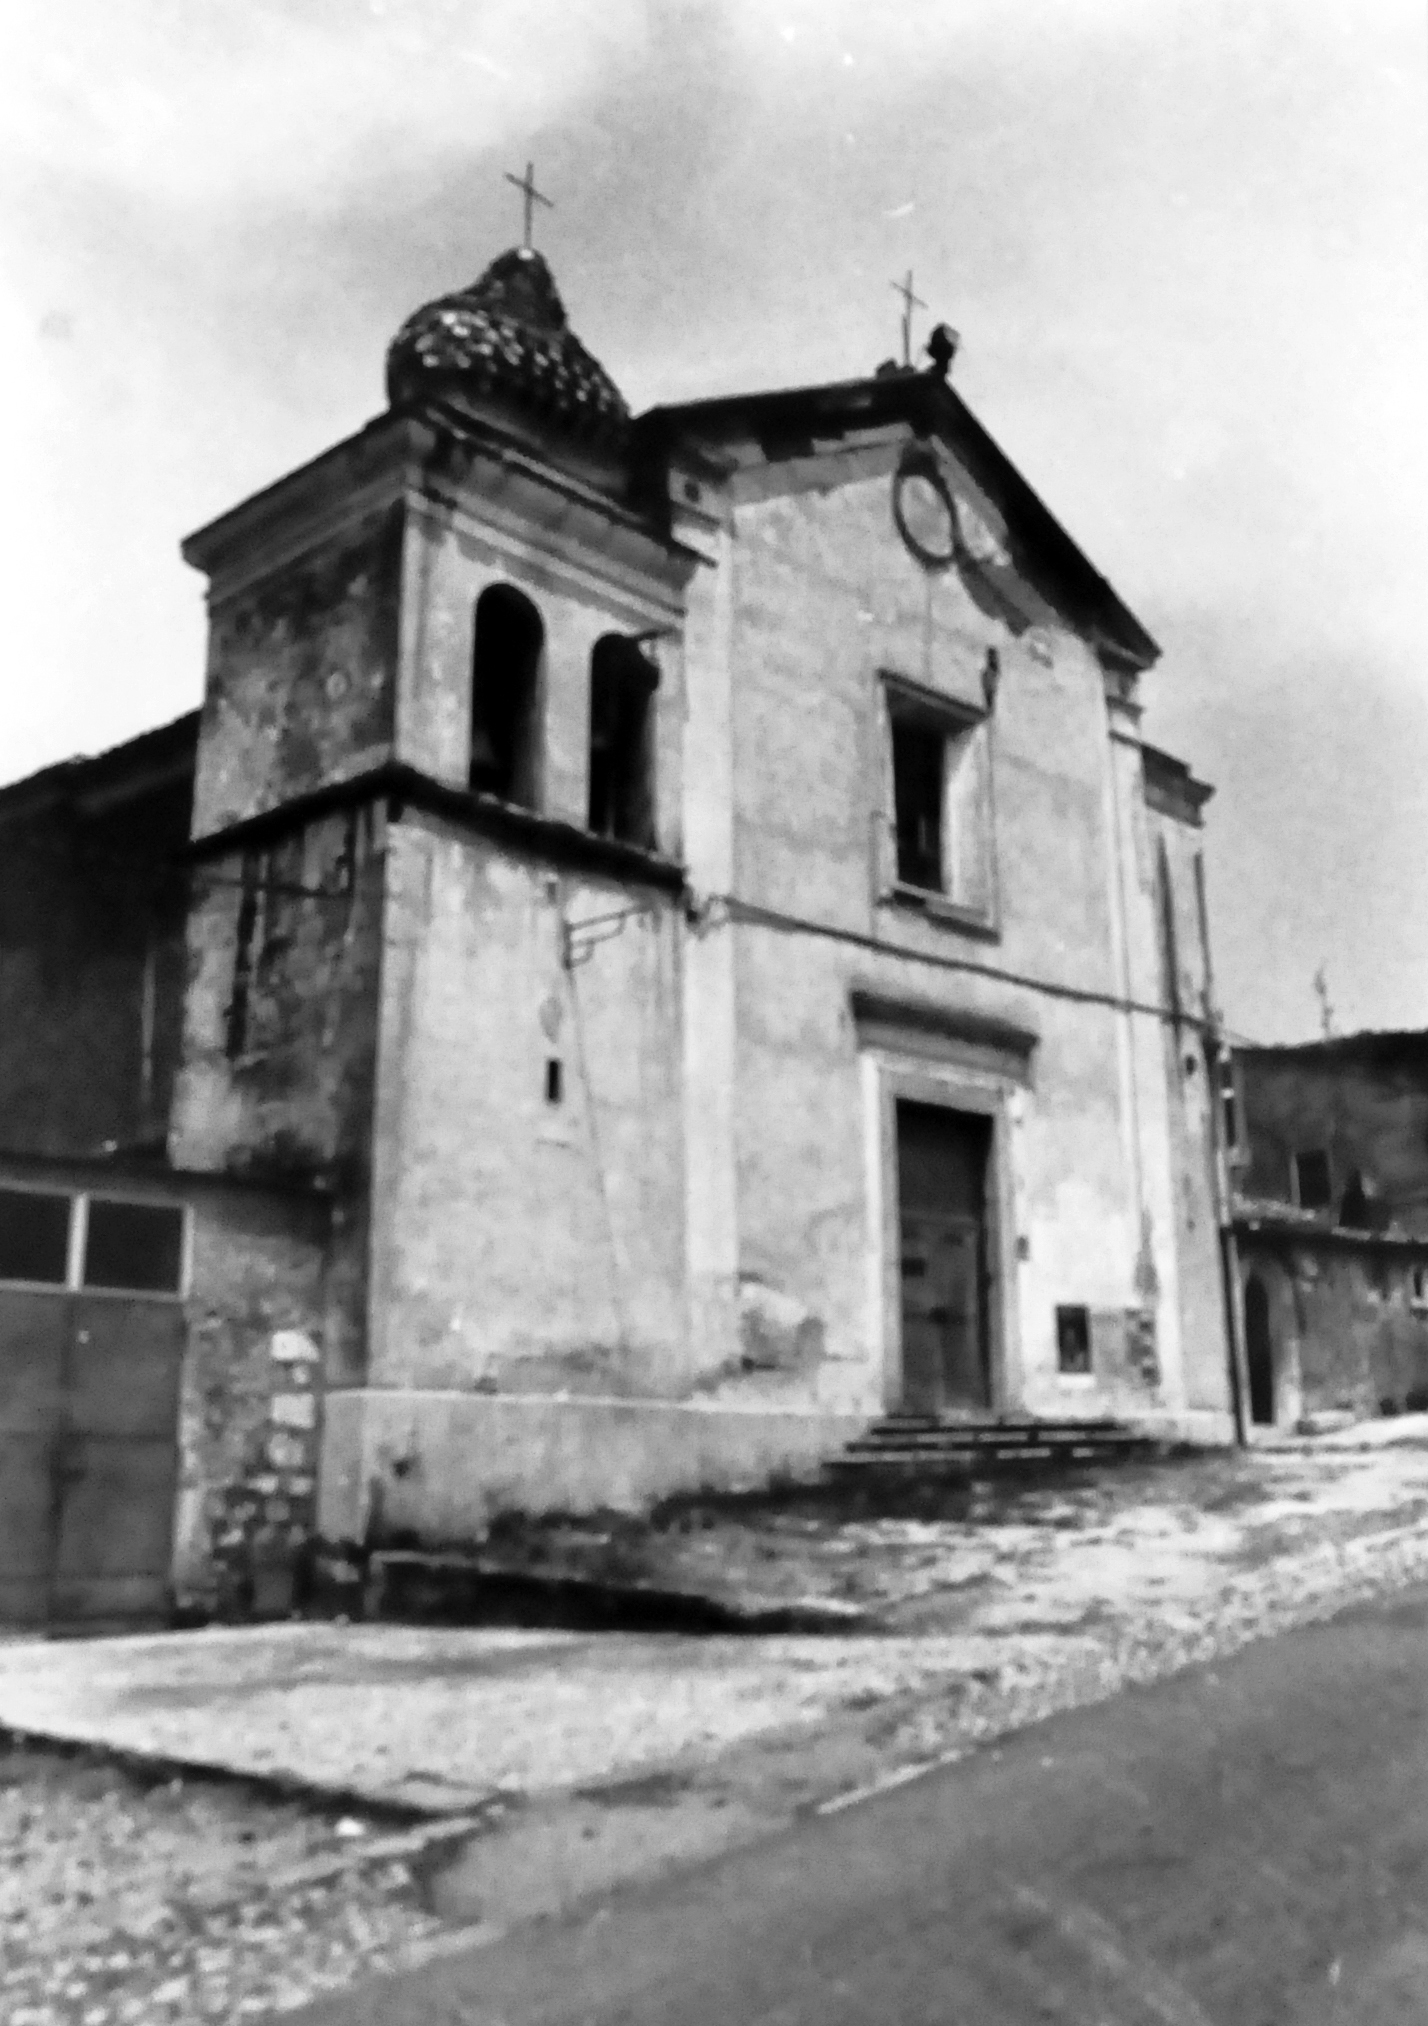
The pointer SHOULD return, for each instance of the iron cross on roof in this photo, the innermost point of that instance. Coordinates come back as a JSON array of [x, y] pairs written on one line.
[[910, 302], [526, 185]]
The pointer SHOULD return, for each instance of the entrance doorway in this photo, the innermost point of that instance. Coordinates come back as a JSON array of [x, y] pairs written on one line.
[[1259, 1352], [942, 1188], [91, 1351]]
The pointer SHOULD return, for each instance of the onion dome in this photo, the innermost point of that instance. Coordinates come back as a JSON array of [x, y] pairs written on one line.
[[506, 339]]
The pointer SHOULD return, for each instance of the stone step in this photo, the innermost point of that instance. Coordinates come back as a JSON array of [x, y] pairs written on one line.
[[875, 1459], [905, 1446], [901, 1426], [945, 1439]]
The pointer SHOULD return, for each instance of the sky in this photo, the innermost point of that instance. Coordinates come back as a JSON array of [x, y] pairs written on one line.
[[1183, 240]]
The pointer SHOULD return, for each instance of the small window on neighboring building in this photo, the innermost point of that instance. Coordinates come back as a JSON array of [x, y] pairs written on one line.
[[505, 689], [1313, 1179], [623, 680], [1229, 1106], [940, 799], [1418, 1287], [1073, 1340], [34, 1236], [134, 1246]]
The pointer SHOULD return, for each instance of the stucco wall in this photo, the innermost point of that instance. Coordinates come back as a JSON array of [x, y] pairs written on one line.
[[1105, 1150], [441, 1466], [519, 1243], [1187, 984], [690, 1251]]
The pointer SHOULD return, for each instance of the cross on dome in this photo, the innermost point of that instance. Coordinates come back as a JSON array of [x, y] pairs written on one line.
[[526, 185]]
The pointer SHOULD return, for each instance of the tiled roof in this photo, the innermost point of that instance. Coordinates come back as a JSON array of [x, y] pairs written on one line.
[[507, 336]]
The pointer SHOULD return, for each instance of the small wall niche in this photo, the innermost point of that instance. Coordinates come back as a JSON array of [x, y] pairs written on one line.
[[1073, 1340]]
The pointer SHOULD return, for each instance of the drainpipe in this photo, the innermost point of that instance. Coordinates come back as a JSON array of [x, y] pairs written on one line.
[[1216, 1048], [1229, 1250]]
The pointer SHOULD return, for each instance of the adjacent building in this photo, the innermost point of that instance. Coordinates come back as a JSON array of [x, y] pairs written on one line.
[[1330, 1159], [664, 943]]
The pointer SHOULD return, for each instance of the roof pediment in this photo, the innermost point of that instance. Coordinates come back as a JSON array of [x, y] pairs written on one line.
[[752, 441]]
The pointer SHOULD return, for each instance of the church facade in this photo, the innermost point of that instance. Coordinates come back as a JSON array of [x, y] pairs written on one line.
[[684, 951]]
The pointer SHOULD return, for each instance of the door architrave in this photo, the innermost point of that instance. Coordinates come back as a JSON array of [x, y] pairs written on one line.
[[953, 1089]]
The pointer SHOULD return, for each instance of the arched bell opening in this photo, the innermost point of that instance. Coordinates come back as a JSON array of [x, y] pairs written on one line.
[[623, 681], [505, 692]]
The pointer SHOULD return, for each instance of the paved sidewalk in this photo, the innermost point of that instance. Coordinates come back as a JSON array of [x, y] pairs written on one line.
[[1059, 1596], [549, 1767]]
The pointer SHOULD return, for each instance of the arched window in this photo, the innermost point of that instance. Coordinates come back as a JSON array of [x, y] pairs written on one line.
[[1259, 1352], [623, 680], [505, 683]]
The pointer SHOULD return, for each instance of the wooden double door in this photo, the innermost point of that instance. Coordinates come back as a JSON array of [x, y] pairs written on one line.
[[88, 1453], [942, 1158]]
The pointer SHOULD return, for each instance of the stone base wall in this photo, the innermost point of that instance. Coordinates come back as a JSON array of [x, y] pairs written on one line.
[[251, 1404], [442, 1465]]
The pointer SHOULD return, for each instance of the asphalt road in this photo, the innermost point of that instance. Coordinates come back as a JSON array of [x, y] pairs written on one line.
[[1244, 1845]]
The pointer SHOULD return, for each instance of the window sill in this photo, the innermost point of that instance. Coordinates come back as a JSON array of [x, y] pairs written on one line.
[[939, 907]]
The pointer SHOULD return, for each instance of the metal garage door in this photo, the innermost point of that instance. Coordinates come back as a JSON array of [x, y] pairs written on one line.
[[91, 1352]]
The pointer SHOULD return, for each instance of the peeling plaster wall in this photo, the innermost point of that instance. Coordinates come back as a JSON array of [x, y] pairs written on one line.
[[1344, 1331], [291, 938], [1364, 1100], [250, 1404], [301, 675], [280, 1024]]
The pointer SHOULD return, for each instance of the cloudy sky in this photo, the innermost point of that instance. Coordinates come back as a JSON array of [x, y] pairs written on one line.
[[1184, 241]]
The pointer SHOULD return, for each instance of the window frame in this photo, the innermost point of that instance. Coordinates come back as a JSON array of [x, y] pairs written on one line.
[[1067, 1313], [74, 1282], [15, 1281], [954, 720]]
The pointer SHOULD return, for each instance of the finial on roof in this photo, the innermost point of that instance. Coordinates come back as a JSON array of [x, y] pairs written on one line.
[[941, 348]]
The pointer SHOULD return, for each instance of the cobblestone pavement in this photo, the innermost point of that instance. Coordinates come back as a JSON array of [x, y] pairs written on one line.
[[123, 1898]]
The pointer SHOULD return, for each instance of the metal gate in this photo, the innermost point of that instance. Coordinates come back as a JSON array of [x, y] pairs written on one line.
[[92, 1335]]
